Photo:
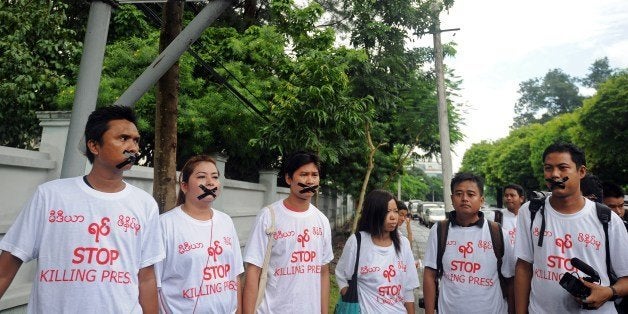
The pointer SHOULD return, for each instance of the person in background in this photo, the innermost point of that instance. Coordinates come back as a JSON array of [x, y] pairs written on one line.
[[203, 264], [514, 197], [96, 237], [591, 188], [302, 249], [614, 199], [386, 278], [403, 223]]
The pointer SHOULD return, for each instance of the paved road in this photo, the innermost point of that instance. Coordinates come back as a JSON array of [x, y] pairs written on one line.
[[419, 233]]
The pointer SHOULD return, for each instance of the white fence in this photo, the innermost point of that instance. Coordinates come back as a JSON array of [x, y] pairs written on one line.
[[21, 171]]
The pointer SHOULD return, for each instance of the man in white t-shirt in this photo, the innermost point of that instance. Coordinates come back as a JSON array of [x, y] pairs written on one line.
[[298, 269], [470, 278], [96, 237], [568, 227], [514, 197]]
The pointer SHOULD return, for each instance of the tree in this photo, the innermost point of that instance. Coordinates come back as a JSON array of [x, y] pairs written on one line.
[[542, 99], [166, 112], [603, 128], [599, 72], [38, 55]]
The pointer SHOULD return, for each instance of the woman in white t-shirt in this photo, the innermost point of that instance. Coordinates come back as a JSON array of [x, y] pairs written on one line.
[[201, 271], [386, 273]]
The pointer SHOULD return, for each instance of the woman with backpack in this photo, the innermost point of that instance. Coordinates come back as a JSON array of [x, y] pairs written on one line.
[[386, 276]]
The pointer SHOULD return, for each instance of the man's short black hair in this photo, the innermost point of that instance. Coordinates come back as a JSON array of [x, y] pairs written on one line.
[[591, 187], [98, 123], [467, 176], [515, 187], [577, 155], [298, 159], [612, 190], [401, 205]]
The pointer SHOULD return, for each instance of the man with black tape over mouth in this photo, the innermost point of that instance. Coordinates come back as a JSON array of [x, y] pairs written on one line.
[[290, 248], [566, 225], [96, 237]]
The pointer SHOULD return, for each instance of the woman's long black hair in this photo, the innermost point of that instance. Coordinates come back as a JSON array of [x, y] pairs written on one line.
[[373, 217]]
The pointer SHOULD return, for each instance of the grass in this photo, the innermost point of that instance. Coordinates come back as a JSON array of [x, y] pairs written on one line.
[[338, 242], [334, 294]]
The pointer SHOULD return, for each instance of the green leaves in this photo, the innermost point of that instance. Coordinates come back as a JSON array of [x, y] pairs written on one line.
[[542, 99], [38, 55], [598, 128]]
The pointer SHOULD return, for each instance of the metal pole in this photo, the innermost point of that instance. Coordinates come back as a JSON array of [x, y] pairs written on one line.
[[87, 86], [443, 119], [171, 54]]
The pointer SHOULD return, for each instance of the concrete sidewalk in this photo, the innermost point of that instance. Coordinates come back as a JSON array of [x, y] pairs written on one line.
[[420, 234]]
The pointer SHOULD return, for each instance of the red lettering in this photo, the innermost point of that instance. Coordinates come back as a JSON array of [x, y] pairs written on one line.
[[486, 282], [217, 271], [122, 277], [554, 261], [465, 266], [302, 256], [101, 256], [314, 269], [389, 290]]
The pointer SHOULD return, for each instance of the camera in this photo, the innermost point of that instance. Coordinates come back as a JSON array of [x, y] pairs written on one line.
[[574, 286]]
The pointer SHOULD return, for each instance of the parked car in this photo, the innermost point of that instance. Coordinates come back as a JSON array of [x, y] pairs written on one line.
[[415, 208], [424, 209], [434, 215]]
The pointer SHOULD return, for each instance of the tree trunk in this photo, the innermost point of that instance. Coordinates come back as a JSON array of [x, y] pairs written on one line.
[[165, 155], [372, 150], [250, 10]]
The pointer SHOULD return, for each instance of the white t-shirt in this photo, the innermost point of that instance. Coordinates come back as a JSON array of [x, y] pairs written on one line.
[[386, 280], [470, 281], [568, 235], [302, 245], [203, 261], [509, 227], [90, 246]]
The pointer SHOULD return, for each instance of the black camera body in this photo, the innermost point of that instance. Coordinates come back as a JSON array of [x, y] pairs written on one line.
[[574, 286]]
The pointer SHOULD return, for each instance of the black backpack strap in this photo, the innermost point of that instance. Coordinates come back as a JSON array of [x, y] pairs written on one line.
[[499, 217], [497, 239], [534, 207], [358, 238], [604, 215], [442, 229]]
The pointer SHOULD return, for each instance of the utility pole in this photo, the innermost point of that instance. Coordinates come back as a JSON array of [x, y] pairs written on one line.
[[443, 117]]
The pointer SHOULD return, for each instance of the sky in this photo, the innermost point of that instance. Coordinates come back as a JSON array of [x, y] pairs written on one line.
[[503, 43]]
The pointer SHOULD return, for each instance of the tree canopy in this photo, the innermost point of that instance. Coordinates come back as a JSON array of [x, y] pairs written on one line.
[[38, 55], [267, 78], [597, 127], [543, 98]]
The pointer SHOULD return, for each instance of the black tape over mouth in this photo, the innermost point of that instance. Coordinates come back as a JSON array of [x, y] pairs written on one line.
[[555, 184], [130, 159], [307, 188], [207, 191]]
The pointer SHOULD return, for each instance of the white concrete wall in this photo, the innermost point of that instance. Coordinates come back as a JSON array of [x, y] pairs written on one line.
[[21, 171]]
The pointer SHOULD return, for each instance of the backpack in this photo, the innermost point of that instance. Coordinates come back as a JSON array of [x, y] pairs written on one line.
[[499, 217], [497, 237], [603, 214]]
